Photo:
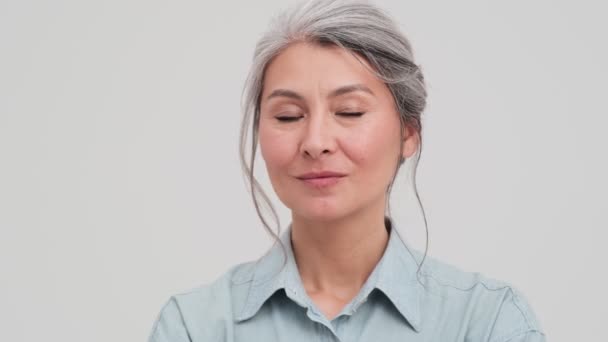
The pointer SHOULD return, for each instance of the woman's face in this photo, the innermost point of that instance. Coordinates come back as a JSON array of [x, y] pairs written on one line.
[[304, 128]]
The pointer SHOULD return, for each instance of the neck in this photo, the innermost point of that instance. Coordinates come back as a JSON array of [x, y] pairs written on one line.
[[337, 257]]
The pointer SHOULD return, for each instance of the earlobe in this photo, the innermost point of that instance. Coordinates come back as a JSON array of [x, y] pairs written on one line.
[[410, 142]]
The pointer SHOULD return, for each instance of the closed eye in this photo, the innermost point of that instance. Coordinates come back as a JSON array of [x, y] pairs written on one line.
[[351, 113], [288, 118], [296, 118]]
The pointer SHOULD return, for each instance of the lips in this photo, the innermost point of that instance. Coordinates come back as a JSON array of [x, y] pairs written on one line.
[[321, 174], [322, 179]]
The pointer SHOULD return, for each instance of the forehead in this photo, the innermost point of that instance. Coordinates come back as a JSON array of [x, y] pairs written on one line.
[[306, 67]]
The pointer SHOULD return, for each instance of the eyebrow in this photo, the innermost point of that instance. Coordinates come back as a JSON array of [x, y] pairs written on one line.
[[336, 92]]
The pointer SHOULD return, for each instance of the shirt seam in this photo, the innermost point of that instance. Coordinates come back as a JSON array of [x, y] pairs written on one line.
[[480, 281], [519, 334], [529, 327], [182, 319], [516, 302], [161, 316]]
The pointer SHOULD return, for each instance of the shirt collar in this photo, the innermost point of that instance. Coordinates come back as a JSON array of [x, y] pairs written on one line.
[[394, 275]]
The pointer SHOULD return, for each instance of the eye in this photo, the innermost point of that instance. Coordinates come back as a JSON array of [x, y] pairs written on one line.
[[351, 114], [288, 118]]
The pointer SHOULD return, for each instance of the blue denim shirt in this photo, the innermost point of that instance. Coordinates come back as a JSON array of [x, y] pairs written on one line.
[[260, 301]]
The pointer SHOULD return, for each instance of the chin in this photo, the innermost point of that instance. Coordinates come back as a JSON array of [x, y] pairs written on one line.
[[325, 211]]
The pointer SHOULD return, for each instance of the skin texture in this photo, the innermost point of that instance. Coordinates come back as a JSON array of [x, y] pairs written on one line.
[[338, 232]]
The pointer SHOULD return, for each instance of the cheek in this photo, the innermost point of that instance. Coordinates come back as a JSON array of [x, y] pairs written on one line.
[[275, 148], [373, 145]]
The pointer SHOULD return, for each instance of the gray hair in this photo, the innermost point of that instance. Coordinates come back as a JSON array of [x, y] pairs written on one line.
[[358, 27]]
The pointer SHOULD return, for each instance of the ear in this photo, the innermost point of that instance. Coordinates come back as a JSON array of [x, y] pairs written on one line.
[[411, 140]]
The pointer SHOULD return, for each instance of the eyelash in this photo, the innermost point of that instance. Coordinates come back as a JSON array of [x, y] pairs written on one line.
[[294, 118]]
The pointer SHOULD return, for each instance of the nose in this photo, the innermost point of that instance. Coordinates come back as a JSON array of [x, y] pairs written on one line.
[[318, 137]]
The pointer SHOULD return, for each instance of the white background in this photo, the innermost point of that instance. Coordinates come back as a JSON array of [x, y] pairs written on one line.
[[120, 182]]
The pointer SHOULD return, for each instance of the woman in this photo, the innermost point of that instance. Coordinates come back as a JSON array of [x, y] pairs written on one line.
[[336, 100]]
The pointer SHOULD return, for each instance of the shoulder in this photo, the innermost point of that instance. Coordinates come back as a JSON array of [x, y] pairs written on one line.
[[219, 295], [494, 309], [203, 311]]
